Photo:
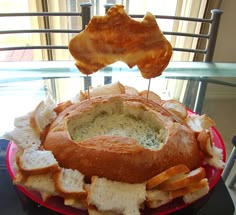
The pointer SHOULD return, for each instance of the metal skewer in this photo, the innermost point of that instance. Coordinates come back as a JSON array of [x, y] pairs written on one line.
[[87, 83], [149, 84]]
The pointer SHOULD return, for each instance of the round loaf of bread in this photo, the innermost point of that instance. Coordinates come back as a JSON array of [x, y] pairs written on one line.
[[122, 138]]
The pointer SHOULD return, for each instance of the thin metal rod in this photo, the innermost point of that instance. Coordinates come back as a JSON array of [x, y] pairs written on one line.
[[175, 18], [40, 31], [33, 47], [87, 83], [149, 84], [41, 14], [216, 15]]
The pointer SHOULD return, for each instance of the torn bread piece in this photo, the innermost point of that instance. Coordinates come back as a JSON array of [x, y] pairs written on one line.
[[33, 162], [79, 203], [193, 196], [190, 189], [22, 121], [151, 96], [42, 183], [175, 107], [199, 122], [43, 115], [167, 174], [212, 155], [108, 89], [23, 137], [156, 198], [183, 181], [131, 90], [70, 183], [118, 197]]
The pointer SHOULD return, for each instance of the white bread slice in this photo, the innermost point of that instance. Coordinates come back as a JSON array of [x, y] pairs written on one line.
[[108, 89], [62, 106], [175, 107], [199, 122], [213, 155], [217, 159], [155, 198], [193, 196], [131, 90], [70, 183], [43, 183], [37, 162], [22, 121], [186, 179], [43, 115], [205, 143], [189, 189], [23, 137], [151, 96], [166, 175], [76, 203], [121, 198]]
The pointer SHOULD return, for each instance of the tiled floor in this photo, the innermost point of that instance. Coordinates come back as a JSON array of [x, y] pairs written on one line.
[[223, 112]]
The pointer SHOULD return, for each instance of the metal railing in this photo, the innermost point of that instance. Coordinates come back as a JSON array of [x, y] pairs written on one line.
[[85, 14]]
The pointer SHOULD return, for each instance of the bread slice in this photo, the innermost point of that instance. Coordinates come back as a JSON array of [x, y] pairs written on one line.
[[131, 90], [62, 106], [23, 137], [121, 198], [70, 183], [166, 175], [217, 159], [183, 181], [205, 143], [42, 183], [155, 198], [193, 196], [43, 115], [199, 122], [150, 95], [108, 89], [175, 107], [213, 155], [189, 189], [33, 162], [79, 203], [22, 121]]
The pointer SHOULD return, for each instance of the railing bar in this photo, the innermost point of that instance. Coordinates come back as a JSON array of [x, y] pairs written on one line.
[[32, 47], [41, 14], [66, 47], [186, 34], [40, 31], [77, 31], [190, 50], [175, 18]]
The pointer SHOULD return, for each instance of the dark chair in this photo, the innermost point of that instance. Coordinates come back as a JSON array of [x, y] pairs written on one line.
[[229, 165]]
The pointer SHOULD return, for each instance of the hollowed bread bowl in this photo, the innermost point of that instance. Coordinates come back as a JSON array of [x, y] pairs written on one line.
[[122, 138]]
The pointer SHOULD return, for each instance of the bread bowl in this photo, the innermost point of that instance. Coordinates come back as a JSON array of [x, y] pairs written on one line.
[[122, 138]]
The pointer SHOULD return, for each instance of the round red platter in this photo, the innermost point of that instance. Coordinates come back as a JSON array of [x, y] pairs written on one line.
[[56, 203]]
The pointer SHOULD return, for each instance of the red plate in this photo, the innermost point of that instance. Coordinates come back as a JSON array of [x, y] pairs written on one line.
[[56, 203]]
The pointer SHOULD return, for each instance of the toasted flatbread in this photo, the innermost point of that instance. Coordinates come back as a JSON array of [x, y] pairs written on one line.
[[118, 37]]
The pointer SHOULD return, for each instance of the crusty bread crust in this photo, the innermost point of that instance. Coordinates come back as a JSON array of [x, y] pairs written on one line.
[[121, 158], [118, 37]]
